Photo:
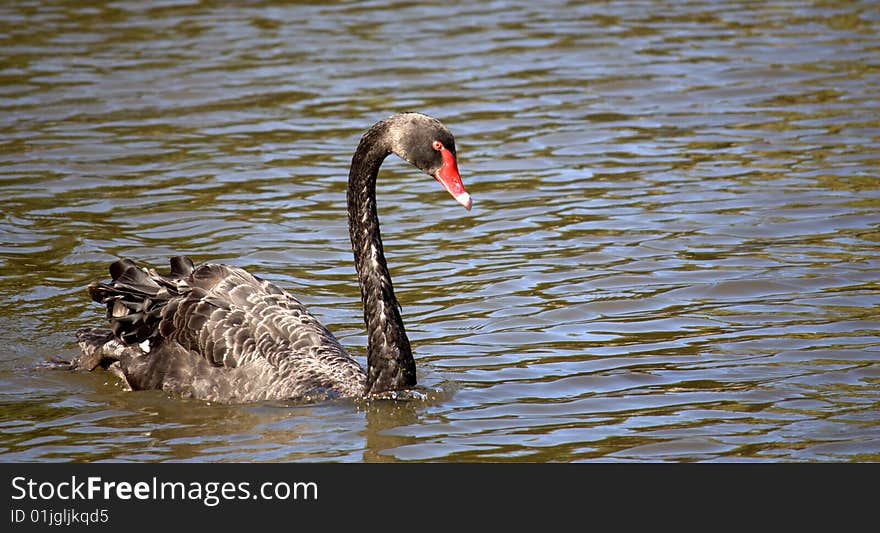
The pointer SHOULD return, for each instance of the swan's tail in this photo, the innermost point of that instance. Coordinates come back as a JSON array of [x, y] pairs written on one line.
[[98, 347], [135, 297]]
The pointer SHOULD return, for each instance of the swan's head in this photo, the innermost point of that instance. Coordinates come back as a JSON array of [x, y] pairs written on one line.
[[428, 145]]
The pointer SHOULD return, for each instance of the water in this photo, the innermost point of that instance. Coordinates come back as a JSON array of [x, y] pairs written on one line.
[[673, 252]]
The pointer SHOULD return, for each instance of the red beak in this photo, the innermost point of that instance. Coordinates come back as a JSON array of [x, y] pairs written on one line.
[[450, 179]]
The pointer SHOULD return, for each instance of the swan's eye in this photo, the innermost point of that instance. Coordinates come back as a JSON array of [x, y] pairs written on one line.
[[437, 145]]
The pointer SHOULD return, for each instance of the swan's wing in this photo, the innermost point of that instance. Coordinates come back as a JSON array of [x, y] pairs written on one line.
[[262, 342], [232, 317]]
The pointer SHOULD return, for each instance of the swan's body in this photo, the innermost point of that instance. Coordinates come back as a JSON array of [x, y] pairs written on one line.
[[218, 333]]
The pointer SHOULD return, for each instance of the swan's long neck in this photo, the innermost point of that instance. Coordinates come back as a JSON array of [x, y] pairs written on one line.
[[390, 364]]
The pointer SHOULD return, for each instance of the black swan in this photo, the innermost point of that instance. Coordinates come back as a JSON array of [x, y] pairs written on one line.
[[218, 333]]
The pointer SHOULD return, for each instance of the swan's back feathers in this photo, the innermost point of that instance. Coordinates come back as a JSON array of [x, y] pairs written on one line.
[[218, 332]]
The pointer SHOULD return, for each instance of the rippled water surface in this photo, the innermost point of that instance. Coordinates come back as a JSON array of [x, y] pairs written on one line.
[[673, 253]]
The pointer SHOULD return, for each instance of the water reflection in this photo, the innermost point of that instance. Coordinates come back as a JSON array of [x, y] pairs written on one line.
[[383, 418]]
